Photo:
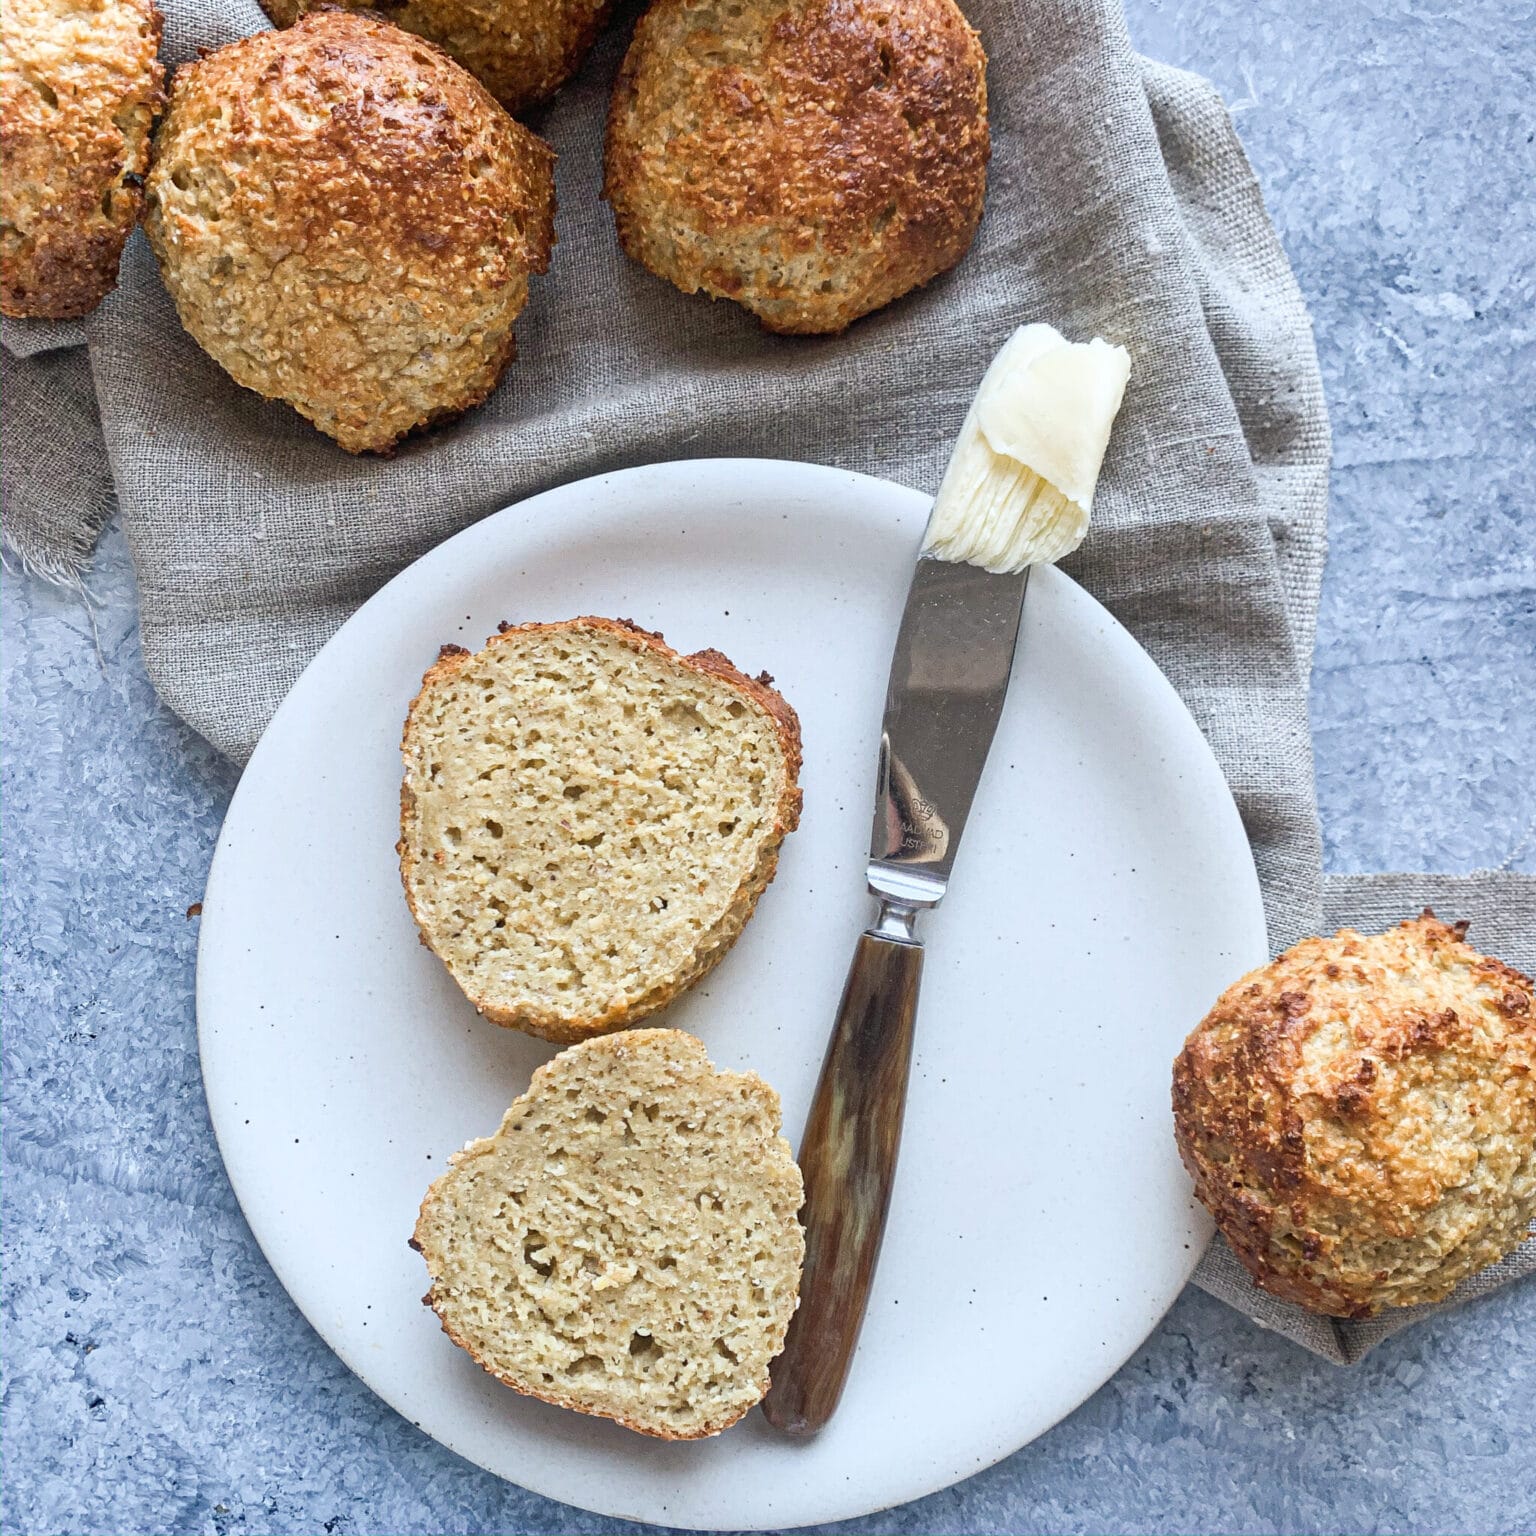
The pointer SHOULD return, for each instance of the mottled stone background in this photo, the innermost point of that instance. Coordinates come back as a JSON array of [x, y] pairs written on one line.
[[156, 1377]]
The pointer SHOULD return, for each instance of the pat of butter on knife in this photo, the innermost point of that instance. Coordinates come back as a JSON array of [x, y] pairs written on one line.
[[1019, 487]]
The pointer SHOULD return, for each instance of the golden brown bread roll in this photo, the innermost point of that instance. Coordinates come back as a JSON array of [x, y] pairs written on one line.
[[810, 161], [347, 221], [521, 51], [1360, 1116], [79, 89]]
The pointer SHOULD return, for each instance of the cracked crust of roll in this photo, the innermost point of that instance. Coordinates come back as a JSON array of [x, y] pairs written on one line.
[[1360, 1117], [521, 51], [811, 162], [671, 961], [347, 221], [80, 87], [626, 1244]]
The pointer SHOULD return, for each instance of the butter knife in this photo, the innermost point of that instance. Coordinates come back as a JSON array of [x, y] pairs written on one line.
[[949, 676], [1018, 491]]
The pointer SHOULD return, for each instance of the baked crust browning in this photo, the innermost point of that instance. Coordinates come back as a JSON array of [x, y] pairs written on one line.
[[347, 221], [80, 87], [707, 945], [812, 162], [521, 51], [1360, 1116]]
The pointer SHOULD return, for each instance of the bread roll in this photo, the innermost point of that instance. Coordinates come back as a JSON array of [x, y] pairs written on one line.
[[810, 161], [80, 87], [347, 221], [521, 51], [1360, 1117]]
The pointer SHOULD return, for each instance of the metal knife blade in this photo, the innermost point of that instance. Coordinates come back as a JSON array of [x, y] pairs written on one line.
[[949, 677]]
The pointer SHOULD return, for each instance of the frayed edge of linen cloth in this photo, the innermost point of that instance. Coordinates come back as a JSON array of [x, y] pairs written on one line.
[[51, 437], [1500, 905]]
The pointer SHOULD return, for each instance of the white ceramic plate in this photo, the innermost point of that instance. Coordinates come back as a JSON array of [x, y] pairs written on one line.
[[1104, 895]]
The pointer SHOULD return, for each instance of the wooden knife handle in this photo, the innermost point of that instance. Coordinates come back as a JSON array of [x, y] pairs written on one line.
[[848, 1159]]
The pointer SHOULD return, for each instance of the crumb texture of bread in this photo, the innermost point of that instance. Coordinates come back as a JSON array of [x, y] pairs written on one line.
[[80, 86], [810, 161], [1360, 1117], [588, 819], [626, 1244], [347, 221], [521, 51]]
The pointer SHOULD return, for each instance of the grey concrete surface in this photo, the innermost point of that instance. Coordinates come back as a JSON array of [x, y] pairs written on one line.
[[156, 1376]]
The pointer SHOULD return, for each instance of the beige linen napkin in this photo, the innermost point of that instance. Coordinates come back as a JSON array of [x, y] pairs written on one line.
[[1120, 204]]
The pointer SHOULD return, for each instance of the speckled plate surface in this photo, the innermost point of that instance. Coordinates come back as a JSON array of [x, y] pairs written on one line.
[[1041, 1223]]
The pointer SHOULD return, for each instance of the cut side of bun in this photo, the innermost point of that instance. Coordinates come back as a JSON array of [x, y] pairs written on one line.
[[626, 1244], [588, 819]]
